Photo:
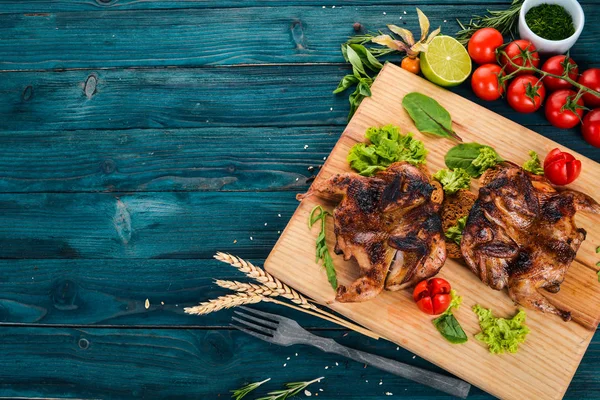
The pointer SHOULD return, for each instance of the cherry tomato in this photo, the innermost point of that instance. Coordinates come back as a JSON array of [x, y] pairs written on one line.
[[525, 94], [556, 65], [561, 168], [515, 52], [558, 117], [591, 78], [411, 64], [485, 82], [432, 296], [591, 127], [483, 44]]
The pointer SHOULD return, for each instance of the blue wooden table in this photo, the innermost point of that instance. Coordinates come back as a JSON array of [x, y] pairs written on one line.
[[139, 137]]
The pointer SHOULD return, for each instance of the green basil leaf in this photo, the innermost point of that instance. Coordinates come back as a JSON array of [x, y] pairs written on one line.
[[450, 329], [364, 88], [345, 51], [366, 57], [357, 65], [473, 157], [346, 82], [428, 115]]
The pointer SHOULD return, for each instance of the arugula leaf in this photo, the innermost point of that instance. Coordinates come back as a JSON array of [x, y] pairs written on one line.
[[366, 57], [322, 252], [346, 82], [473, 157], [448, 325], [387, 146], [453, 181], [454, 233], [428, 115], [533, 165]]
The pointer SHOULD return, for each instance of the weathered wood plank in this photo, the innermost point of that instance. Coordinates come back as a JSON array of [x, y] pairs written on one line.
[[183, 98], [11, 6], [113, 292], [221, 36], [152, 225], [160, 363], [206, 159]]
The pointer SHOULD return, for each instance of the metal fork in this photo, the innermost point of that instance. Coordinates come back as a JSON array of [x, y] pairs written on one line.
[[283, 331]]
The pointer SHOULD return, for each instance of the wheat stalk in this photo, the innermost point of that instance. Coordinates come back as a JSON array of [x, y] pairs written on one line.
[[220, 303], [247, 288], [270, 282]]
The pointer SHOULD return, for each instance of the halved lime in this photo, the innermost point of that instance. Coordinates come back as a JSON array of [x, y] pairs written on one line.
[[446, 62]]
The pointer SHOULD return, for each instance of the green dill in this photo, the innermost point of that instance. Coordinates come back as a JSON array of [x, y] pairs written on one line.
[[550, 21]]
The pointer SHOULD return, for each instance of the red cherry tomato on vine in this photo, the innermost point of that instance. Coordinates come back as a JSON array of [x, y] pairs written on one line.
[[561, 168], [516, 51], [556, 65], [483, 44], [485, 82], [432, 296], [591, 127], [525, 94], [591, 78], [563, 118]]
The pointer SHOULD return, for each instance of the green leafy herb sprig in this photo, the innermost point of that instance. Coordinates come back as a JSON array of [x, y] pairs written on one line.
[[240, 393], [319, 214], [365, 67], [448, 325], [429, 116], [292, 389], [454, 233], [453, 181], [505, 21], [473, 157]]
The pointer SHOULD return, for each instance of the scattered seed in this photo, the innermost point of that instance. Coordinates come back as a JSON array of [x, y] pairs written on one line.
[[307, 393], [280, 232], [400, 17], [279, 215], [284, 364], [397, 348], [147, 304], [162, 303], [384, 13], [265, 224], [297, 179], [389, 393], [336, 364], [288, 358], [326, 367], [404, 12], [296, 354], [324, 158], [357, 27], [320, 390], [305, 146], [251, 238], [323, 6], [332, 6], [235, 241], [414, 357], [445, 21]]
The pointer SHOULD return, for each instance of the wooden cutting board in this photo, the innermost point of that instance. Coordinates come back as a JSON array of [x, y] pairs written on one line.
[[546, 362]]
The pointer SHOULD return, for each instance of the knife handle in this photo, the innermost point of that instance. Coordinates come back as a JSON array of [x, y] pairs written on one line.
[[447, 384]]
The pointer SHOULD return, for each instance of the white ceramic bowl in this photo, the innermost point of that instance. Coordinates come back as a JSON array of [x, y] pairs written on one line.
[[552, 46]]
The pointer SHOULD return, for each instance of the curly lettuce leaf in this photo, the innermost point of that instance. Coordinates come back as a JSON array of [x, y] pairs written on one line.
[[501, 334], [388, 145], [534, 164], [453, 181], [454, 233]]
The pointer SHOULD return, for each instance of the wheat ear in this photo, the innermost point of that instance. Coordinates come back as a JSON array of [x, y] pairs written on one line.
[[228, 301], [247, 288], [287, 292]]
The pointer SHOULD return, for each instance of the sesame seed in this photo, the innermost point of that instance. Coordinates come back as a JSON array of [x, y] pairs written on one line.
[[336, 364], [307, 393], [445, 21], [288, 358], [389, 393], [320, 390], [147, 304], [279, 215], [265, 224], [284, 364], [323, 6], [384, 13], [326, 367], [305, 146], [400, 17], [397, 348], [251, 238], [324, 158], [296, 354], [280, 232], [332, 6], [404, 12], [296, 179], [414, 357]]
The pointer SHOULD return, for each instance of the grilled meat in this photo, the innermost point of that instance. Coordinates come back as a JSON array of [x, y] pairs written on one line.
[[521, 234], [390, 224]]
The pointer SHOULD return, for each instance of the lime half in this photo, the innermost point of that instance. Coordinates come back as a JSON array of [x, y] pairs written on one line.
[[446, 62]]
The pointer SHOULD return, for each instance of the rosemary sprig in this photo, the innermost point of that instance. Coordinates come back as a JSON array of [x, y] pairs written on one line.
[[505, 21], [238, 394], [319, 214], [292, 389]]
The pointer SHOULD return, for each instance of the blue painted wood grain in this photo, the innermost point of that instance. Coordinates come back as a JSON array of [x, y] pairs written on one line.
[[167, 98], [219, 36], [160, 225], [206, 159], [12, 6]]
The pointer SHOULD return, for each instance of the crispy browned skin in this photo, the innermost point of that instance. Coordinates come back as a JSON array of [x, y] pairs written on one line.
[[521, 234], [389, 224]]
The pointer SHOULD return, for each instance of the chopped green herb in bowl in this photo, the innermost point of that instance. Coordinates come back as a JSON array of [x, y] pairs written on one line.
[[550, 21]]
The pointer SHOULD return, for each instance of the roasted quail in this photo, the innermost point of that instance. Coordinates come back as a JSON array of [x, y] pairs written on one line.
[[390, 224], [521, 234]]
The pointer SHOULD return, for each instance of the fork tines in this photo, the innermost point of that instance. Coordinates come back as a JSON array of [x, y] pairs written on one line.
[[262, 329]]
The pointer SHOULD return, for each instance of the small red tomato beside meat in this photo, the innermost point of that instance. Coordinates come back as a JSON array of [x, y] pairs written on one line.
[[556, 112], [485, 82], [483, 44], [561, 168], [525, 94], [516, 51], [591, 127], [556, 65], [591, 79], [432, 296]]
